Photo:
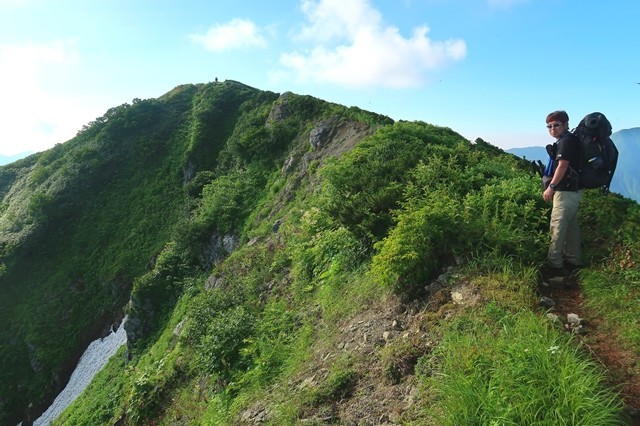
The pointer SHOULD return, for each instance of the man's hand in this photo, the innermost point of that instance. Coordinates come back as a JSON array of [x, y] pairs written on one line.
[[563, 166]]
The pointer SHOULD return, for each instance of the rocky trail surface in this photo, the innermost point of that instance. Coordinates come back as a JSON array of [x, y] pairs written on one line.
[[564, 301]]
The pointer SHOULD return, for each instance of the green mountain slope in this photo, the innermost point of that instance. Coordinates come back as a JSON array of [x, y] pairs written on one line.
[[82, 220], [284, 260]]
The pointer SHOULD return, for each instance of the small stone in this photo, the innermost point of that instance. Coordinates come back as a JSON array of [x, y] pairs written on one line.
[[177, 331], [573, 320], [386, 335], [546, 302], [457, 297], [552, 317]]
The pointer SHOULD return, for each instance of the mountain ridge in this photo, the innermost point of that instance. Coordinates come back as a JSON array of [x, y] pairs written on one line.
[[285, 259]]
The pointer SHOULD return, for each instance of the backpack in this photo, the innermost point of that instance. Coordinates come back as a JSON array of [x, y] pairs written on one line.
[[598, 153]]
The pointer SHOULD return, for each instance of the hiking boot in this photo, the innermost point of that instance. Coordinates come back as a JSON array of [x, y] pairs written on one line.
[[571, 268], [558, 282], [551, 272]]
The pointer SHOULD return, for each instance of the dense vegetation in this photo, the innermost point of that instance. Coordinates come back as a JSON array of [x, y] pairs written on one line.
[[244, 256]]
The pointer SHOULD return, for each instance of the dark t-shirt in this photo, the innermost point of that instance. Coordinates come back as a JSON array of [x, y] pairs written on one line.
[[567, 148]]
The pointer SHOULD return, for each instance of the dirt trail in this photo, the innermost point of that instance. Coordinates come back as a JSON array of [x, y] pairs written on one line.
[[603, 344]]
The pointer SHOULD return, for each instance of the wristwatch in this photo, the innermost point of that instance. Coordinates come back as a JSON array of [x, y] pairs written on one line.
[[553, 186]]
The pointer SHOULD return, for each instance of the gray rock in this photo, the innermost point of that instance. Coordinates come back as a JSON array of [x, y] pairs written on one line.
[[213, 281], [552, 317], [219, 247], [281, 109], [36, 365], [319, 135], [177, 331], [546, 302], [573, 320]]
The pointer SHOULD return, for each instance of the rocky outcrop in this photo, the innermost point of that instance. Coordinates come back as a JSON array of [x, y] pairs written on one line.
[[218, 249], [281, 109]]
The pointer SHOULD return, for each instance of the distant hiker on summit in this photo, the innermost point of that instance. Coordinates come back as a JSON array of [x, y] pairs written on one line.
[[561, 187]]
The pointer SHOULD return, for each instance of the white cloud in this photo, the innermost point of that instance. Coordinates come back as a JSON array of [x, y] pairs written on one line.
[[24, 61], [237, 34], [354, 48], [31, 117], [337, 18]]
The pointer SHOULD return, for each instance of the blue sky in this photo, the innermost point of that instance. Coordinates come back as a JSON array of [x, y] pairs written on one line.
[[486, 68]]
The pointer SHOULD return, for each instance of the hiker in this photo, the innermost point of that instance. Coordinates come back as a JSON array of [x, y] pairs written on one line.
[[562, 190]]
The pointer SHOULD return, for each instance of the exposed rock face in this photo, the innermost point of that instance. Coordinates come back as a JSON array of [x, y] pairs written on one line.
[[219, 247], [140, 313], [281, 109], [320, 134], [214, 281]]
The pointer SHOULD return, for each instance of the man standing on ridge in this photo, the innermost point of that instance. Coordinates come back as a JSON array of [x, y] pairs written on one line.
[[562, 190]]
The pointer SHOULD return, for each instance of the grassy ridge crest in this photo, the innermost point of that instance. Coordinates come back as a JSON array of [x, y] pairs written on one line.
[[284, 259]]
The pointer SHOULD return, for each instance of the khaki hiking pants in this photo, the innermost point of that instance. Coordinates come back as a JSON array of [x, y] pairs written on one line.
[[565, 231]]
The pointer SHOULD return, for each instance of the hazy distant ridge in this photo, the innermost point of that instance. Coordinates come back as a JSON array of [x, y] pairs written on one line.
[[6, 159]]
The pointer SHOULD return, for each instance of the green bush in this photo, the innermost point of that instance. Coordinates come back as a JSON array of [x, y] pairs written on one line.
[[219, 349], [228, 200], [269, 348], [323, 249], [148, 389], [202, 311], [508, 217], [416, 246], [366, 184]]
